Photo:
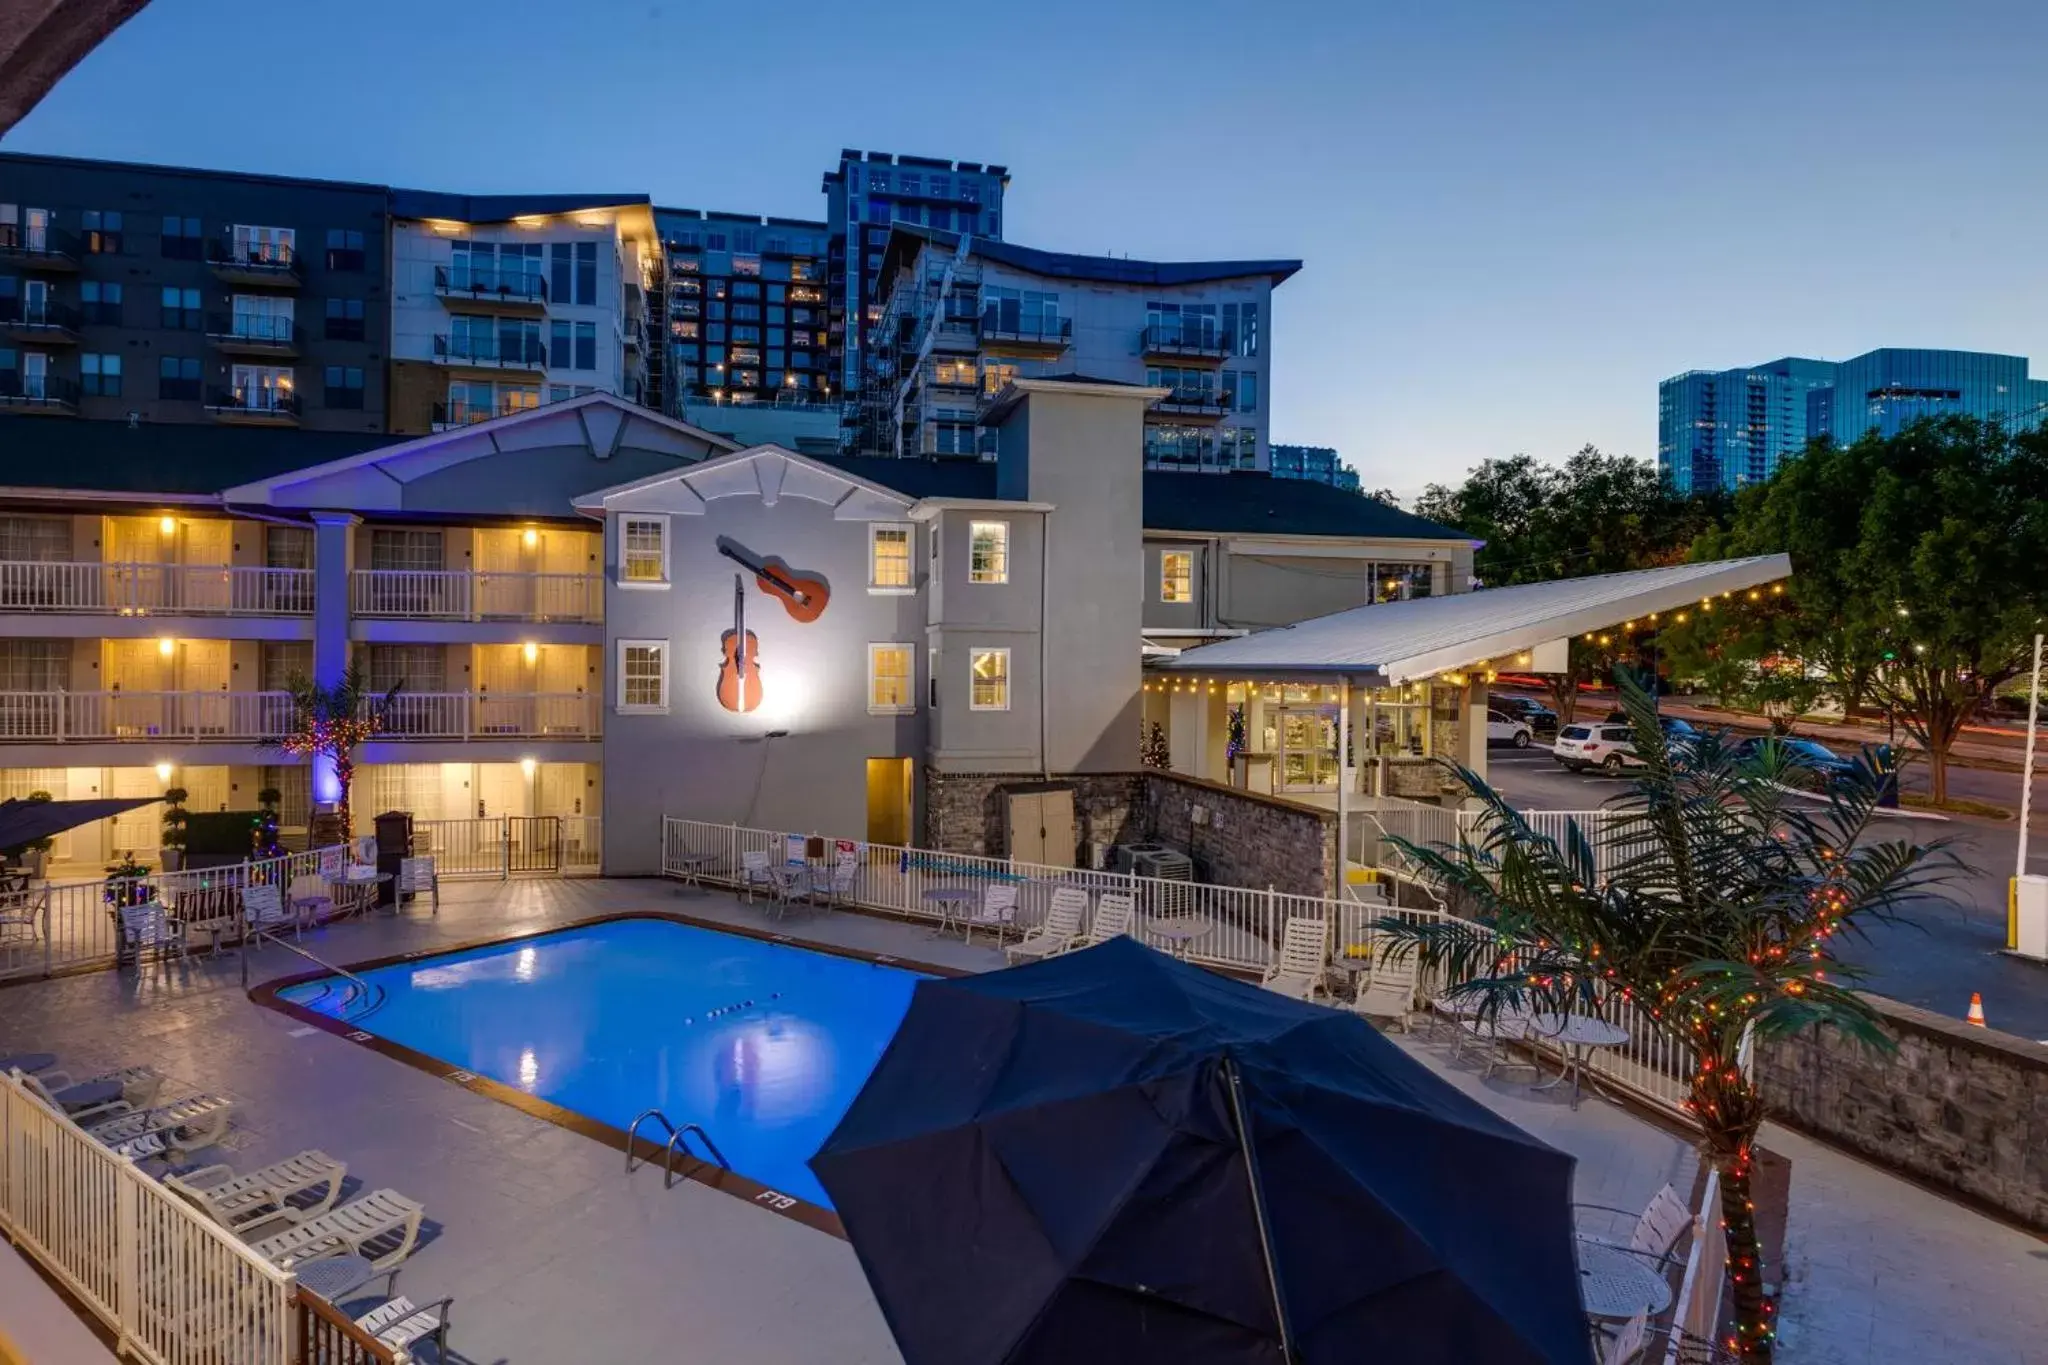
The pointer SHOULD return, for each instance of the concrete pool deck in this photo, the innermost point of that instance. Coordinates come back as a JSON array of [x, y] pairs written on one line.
[[553, 1253]]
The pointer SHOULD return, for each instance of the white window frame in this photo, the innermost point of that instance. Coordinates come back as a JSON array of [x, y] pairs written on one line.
[[908, 706], [972, 676], [909, 585], [1167, 577], [974, 531], [626, 708], [628, 519]]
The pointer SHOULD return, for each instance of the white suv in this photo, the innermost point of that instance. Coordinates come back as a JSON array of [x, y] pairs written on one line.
[[1607, 747]]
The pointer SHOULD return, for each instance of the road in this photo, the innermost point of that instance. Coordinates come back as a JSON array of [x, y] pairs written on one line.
[[1948, 945]]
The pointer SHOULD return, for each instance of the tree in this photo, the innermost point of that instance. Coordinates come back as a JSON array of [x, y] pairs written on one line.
[[1384, 495], [1717, 921], [332, 723], [1920, 566]]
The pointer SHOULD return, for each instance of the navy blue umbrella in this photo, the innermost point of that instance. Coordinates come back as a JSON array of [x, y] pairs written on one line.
[[1113, 1156]]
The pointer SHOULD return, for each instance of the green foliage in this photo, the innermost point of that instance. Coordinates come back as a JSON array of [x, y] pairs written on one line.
[[1152, 748], [333, 722], [175, 817]]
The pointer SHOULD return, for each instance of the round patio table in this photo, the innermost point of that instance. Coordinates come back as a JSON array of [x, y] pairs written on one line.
[[692, 866], [1577, 1035], [1181, 931], [949, 901], [332, 1277], [1615, 1284]]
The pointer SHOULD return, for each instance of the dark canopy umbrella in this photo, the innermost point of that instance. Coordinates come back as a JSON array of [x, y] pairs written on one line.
[[1112, 1156], [24, 822]]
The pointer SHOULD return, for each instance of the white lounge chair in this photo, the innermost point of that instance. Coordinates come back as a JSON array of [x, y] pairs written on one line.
[[1304, 956], [997, 912], [417, 877], [147, 927], [353, 1226], [398, 1324], [1057, 933], [265, 914], [195, 1121], [133, 1087], [1116, 912], [239, 1202], [24, 913], [1388, 992]]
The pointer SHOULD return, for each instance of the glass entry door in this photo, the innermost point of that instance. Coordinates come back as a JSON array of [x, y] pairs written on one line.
[[1308, 748]]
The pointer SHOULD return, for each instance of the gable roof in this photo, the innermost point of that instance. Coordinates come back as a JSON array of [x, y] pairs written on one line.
[[904, 242], [769, 472]]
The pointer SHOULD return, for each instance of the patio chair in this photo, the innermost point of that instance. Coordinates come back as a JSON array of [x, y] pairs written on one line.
[[312, 899], [399, 1323], [1116, 912], [132, 1088], [1494, 1032], [240, 1202], [997, 912], [1657, 1228], [1058, 933], [265, 913], [417, 877], [148, 928], [1388, 992], [195, 1121], [24, 913], [211, 911], [755, 870], [353, 1226], [1298, 971], [1628, 1343], [835, 883]]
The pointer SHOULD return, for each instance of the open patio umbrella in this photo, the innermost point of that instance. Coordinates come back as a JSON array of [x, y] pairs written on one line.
[[22, 822], [1113, 1156]]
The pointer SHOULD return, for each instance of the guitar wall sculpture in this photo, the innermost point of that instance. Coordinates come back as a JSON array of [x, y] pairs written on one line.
[[802, 595]]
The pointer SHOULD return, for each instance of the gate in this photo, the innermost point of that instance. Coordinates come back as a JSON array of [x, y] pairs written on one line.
[[534, 843]]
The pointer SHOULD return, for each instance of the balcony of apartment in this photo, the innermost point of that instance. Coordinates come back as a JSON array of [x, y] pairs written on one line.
[[476, 595], [254, 334], [1038, 334], [455, 413], [265, 264], [1198, 403], [951, 375], [42, 395], [1183, 340], [492, 715], [39, 248], [39, 323], [516, 293], [1184, 453], [142, 589], [503, 354], [121, 716], [254, 407]]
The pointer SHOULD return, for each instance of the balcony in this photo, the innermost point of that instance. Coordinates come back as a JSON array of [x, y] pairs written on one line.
[[952, 376], [101, 717], [153, 589], [40, 324], [1183, 341], [44, 395], [253, 334], [492, 715], [45, 250], [1196, 402], [527, 355], [488, 291], [1184, 454], [253, 407], [1043, 334], [268, 266], [450, 415], [461, 595]]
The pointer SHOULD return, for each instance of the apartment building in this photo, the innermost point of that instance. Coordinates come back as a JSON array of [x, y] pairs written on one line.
[[170, 295], [500, 303], [1318, 464], [961, 317], [868, 193]]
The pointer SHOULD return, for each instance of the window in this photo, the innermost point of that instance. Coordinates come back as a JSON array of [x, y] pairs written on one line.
[[344, 319], [559, 354], [931, 678], [586, 272], [289, 547], [344, 386], [344, 249], [643, 675], [891, 682], [560, 272], [40, 539], [263, 317], [989, 680], [988, 554], [102, 231], [181, 239], [417, 550], [889, 558], [517, 398], [643, 551], [586, 346], [1177, 576], [177, 377], [102, 302], [181, 308], [1247, 386], [268, 245], [100, 375]]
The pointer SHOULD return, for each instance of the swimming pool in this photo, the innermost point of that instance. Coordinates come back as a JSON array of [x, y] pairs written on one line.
[[763, 1044]]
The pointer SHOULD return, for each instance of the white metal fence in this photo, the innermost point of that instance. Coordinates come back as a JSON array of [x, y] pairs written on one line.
[[492, 715], [465, 595], [140, 589], [145, 716], [175, 1287], [1696, 1314], [502, 845]]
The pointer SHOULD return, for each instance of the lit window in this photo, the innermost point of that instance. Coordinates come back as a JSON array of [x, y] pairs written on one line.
[[643, 675], [643, 551], [889, 558], [1177, 576], [988, 558], [890, 681], [990, 681]]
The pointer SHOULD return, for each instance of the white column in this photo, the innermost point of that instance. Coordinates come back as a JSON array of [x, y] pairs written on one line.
[[1343, 785], [334, 556], [1187, 731]]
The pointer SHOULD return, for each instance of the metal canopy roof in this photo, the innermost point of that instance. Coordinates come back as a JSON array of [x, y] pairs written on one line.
[[1395, 642]]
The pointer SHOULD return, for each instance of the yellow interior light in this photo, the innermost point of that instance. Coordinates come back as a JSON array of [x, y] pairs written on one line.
[[167, 525], [166, 646]]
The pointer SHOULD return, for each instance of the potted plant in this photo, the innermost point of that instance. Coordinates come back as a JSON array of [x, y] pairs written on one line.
[[263, 840], [35, 854], [173, 840], [127, 883]]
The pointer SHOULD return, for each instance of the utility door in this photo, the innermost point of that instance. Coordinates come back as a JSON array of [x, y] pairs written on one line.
[[889, 801]]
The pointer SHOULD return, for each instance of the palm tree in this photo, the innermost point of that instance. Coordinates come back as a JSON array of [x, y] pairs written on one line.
[[1718, 917], [334, 721]]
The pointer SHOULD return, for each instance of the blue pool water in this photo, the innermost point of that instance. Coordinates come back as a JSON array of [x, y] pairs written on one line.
[[763, 1044]]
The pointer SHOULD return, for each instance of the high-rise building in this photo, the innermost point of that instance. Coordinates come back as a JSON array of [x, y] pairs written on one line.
[[1889, 388], [163, 294], [1727, 428], [1317, 464], [960, 317], [863, 197]]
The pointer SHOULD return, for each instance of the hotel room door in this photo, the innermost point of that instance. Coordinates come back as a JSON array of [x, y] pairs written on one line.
[[889, 801]]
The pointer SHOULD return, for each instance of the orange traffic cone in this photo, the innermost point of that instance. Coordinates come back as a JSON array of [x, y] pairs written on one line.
[[1976, 1014]]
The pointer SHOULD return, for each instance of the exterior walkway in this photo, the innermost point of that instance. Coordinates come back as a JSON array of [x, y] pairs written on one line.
[[554, 1253]]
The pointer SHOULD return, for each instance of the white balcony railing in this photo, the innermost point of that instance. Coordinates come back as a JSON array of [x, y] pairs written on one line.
[[461, 595], [143, 589], [491, 715], [253, 716]]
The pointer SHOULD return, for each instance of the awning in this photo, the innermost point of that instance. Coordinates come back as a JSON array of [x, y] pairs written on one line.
[[1396, 642], [23, 822]]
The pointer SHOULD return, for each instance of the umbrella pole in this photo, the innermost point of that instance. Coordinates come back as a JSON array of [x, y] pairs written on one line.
[[1251, 1171]]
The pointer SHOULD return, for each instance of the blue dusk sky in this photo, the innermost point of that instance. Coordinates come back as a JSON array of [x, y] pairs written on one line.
[[1516, 218]]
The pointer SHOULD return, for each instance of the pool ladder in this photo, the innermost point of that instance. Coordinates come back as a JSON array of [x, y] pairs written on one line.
[[675, 1142]]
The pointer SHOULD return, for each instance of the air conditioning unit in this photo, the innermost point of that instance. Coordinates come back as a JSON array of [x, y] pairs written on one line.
[[1124, 857], [1166, 864]]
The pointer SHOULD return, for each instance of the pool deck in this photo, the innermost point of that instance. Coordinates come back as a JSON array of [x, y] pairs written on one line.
[[554, 1253]]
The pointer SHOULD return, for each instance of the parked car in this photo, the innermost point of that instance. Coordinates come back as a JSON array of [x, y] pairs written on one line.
[[1542, 720], [1505, 727], [1674, 728], [1813, 761], [1610, 748]]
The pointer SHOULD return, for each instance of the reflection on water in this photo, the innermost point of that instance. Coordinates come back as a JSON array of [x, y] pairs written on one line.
[[529, 1071], [773, 1071]]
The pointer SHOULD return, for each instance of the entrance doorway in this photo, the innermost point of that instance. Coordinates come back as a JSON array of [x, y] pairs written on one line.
[[889, 801], [1307, 748]]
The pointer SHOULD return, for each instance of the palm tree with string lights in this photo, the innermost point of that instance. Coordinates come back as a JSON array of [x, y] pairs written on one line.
[[1718, 915], [333, 722]]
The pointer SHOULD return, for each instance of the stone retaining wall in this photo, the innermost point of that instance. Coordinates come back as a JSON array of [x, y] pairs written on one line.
[[1962, 1108]]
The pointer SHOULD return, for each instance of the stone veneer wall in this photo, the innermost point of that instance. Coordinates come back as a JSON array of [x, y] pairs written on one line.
[[1962, 1108], [1244, 838]]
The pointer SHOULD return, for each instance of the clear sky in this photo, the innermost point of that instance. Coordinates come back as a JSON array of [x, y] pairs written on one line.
[[1515, 217]]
